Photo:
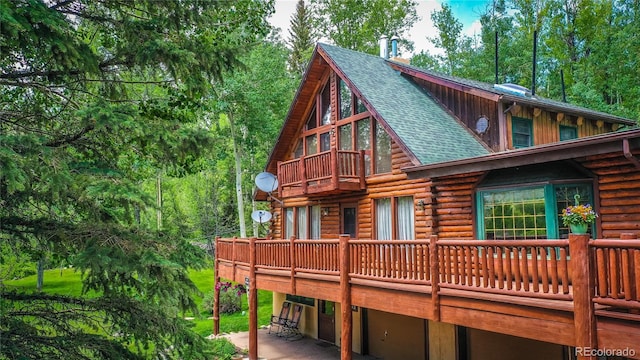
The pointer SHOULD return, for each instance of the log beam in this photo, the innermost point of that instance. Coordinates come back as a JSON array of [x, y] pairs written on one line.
[[345, 300]]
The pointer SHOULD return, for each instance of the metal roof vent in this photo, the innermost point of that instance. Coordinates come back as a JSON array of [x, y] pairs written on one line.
[[384, 47], [513, 89]]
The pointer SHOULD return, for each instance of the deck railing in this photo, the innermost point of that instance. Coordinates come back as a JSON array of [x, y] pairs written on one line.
[[328, 167], [390, 260], [522, 268], [510, 267], [617, 269]]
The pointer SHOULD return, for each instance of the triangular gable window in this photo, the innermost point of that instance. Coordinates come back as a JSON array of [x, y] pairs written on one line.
[[348, 101]]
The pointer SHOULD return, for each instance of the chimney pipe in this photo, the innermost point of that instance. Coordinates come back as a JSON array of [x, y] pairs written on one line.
[[496, 59], [535, 50], [564, 94], [394, 46], [384, 44]]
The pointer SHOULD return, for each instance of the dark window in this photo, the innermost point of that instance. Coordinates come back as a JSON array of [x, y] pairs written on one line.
[[568, 133], [345, 100], [325, 142], [382, 151], [360, 108], [326, 105], [301, 300], [345, 137], [312, 122], [522, 131]]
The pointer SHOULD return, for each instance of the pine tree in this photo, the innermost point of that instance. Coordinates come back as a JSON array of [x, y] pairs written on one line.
[[301, 39], [96, 98]]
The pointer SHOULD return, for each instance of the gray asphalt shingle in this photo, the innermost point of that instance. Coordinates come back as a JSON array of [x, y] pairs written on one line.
[[431, 133]]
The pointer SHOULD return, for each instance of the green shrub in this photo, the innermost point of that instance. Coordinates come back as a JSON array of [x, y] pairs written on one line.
[[223, 348], [230, 298]]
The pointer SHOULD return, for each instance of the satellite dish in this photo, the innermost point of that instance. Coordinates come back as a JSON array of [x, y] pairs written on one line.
[[261, 216], [266, 182]]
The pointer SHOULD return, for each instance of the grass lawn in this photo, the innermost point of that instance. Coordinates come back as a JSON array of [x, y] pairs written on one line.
[[68, 282]]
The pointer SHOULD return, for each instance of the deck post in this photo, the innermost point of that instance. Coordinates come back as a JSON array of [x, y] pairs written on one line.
[[279, 178], [253, 302], [345, 300], [334, 168], [582, 280], [292, 259], [435, 277], [303, 175], [362, 171], [216, 292]]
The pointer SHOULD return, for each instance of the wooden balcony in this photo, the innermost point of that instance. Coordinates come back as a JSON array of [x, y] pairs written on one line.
[[575, 292], [329, 172]]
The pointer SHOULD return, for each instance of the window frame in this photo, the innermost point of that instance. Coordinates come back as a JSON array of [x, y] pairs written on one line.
[[552, 213], [521, 121], [573, 129], [310, 210], [394, 216]]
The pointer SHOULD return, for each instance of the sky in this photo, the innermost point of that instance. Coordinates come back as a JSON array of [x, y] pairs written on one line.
[[466, 11]]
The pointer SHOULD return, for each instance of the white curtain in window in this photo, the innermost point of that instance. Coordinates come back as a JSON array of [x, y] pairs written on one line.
[[288, 226], [383, 219], [405, 218], [315, 222], [302, 223]]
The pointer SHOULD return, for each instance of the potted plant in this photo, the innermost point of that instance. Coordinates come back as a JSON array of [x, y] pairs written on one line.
[[578, 217]]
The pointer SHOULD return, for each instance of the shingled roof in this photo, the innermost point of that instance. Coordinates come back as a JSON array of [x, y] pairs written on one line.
[[410, 115], [535, 101]]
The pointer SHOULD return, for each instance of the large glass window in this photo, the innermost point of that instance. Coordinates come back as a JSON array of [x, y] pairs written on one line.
[[314, 222], [326, 105], [363, 141], [325, 142], [303, 222], [383, 219], [530, 213], [515, 214], [345, 137], [395, 218], [522, 132], [382, 151], [288, 223], [345, 100]]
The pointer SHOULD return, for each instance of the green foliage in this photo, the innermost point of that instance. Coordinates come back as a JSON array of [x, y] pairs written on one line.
[[359, 25], [223, 348], [302, 38], [96, 98], [593, 43]]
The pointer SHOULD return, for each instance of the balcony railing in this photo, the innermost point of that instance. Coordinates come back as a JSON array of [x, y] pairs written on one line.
[[331, 171], [540, 269]]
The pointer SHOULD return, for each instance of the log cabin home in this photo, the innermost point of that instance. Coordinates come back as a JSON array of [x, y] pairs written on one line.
[[418, 216]]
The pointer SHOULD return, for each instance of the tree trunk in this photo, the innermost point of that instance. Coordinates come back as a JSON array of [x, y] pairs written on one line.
[[239, 197], [40, 270], [256, 226]]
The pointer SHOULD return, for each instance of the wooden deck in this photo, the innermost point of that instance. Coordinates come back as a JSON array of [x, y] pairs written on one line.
[[575, 292], [329, 172]]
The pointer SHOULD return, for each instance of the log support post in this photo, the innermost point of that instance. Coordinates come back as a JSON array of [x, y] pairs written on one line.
[[303, 175], [583, 310], [253, 302], [345, 300], [435, 277], [292, 260], [362, 171], [335, 171], [216, 292]]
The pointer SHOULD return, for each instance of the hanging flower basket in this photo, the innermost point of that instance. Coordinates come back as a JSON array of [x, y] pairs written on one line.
[[578, 217]]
